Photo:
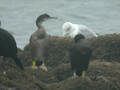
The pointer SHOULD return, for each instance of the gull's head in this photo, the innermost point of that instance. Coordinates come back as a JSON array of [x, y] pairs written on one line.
[[67, 28]]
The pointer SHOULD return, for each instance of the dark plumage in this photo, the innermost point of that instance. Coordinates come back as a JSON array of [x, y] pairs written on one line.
[[0, 23], [80, 54], [40, 19], [8, 47], [39, 38], [39, 63]]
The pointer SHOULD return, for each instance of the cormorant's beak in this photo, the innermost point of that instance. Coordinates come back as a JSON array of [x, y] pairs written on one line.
[[53, 17], [83, 74]]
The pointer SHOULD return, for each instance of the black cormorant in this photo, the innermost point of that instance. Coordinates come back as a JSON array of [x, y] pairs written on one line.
[[39, 39], [80, 55], [8, 47], [0, 23]]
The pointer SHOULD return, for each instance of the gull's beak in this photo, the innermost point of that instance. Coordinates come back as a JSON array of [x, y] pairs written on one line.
[[83, 74]]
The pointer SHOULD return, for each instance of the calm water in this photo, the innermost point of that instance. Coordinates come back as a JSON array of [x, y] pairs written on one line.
[[18, 16]]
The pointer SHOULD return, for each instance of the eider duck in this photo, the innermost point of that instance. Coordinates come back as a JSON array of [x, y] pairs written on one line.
[[71, 30], [8, 47], [38, 40], [80, 56]]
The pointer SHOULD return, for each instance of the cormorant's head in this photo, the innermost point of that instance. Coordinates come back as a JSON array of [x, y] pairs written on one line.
[[42, 18], [67, 27], [46, 16], [78, 37]]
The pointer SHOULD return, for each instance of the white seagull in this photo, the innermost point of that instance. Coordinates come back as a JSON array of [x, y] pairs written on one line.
[[71, 30]]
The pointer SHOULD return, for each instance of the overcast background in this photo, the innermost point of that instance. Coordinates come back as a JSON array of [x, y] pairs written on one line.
[[18, 16]]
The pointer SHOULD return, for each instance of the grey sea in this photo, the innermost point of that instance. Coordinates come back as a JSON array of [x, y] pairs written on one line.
[[18, 16]]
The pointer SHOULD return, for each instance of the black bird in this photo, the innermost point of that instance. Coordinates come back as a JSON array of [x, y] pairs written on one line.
[[80, 55], [0, 23], [40, 19], [8, 47], [39, 39]]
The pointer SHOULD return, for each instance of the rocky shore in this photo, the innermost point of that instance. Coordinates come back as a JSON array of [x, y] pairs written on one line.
[[103, 72]]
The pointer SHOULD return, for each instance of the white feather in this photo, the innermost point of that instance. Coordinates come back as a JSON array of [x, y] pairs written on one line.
[[72, 30]]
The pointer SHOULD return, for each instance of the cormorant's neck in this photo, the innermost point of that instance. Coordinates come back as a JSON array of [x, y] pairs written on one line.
[[39, 25], [39, 22]]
